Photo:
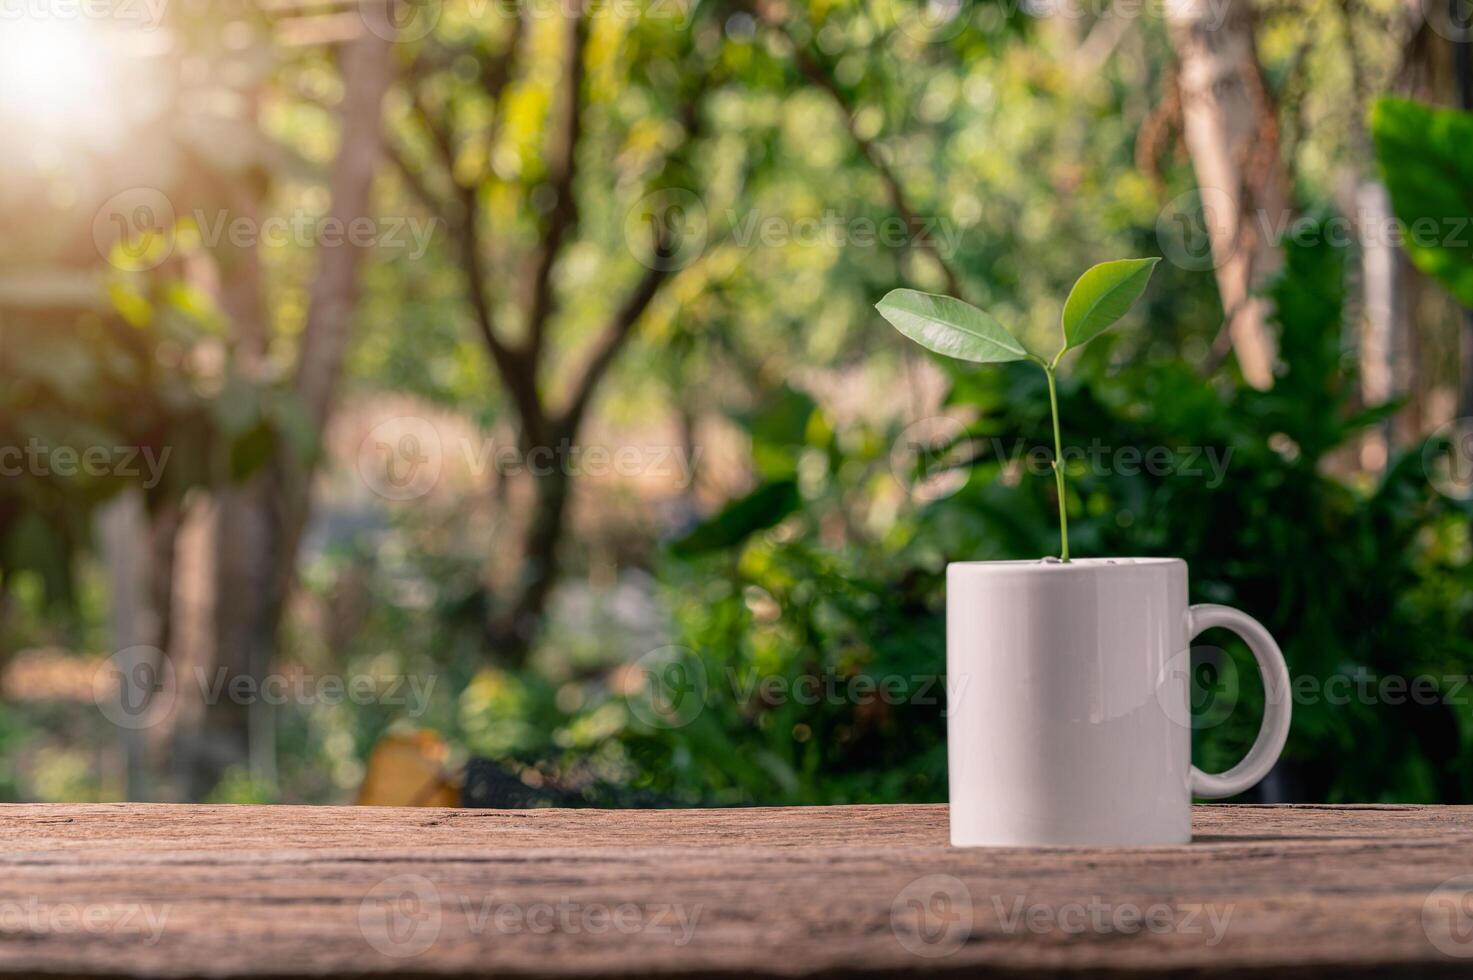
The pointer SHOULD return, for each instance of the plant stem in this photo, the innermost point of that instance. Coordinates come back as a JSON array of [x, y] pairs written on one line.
[[1053, 403]]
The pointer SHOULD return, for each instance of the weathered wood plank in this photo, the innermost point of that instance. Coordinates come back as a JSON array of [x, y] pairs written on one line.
[[136, 890]]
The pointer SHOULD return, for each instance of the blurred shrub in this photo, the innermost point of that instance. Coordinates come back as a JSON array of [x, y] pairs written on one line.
[[1363, 582]]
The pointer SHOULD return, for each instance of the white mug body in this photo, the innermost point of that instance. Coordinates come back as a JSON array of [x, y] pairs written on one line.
[[1068, 721]]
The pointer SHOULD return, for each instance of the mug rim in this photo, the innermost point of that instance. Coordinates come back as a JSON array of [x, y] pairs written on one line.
[[1054, 566]]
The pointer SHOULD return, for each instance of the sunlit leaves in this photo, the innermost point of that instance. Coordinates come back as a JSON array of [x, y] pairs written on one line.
[[1426, 157]]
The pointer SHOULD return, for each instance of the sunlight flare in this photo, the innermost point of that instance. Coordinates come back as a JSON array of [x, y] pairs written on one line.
[[54, 78]]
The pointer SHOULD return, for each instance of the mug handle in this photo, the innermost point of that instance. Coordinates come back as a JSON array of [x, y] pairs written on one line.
[[1276, 704]]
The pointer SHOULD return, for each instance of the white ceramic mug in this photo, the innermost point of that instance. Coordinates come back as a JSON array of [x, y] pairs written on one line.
[[1068, 717]]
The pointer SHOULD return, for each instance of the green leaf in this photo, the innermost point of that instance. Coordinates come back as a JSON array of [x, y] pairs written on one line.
[[779, 430], [251, 450], [949, 326], [1426, 158], [1101, 296], [757, 511]]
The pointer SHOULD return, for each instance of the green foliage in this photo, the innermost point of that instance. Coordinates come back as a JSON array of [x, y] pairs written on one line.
[[94, 404], [740, 519], [1426, 158], [830, 569], [1356, 583]]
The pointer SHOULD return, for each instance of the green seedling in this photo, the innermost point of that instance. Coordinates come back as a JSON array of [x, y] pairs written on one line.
[[960, 330]]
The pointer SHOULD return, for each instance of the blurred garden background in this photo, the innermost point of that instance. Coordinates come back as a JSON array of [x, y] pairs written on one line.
[[409, 401]]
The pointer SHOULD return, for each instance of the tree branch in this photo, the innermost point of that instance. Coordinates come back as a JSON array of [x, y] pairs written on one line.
[[613, 339], [497, 74], [618, 331], [818, 75], [516, 371], [513, 368], [562, 222], [413, 180]]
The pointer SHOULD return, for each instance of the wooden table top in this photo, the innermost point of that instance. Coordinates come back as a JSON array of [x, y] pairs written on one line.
[[155, 890]]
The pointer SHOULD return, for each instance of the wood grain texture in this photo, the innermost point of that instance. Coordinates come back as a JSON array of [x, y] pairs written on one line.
[[152, 890]]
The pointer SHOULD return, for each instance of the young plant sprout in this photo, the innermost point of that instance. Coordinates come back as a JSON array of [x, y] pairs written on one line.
[[956, 329]]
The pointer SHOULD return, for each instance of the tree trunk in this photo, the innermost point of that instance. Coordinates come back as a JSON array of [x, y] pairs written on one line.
[[1381, 330], [513, 631], [124, 542], [1463, 72], [214, 734], [368, 69], [1229, 128], [259, 523]]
